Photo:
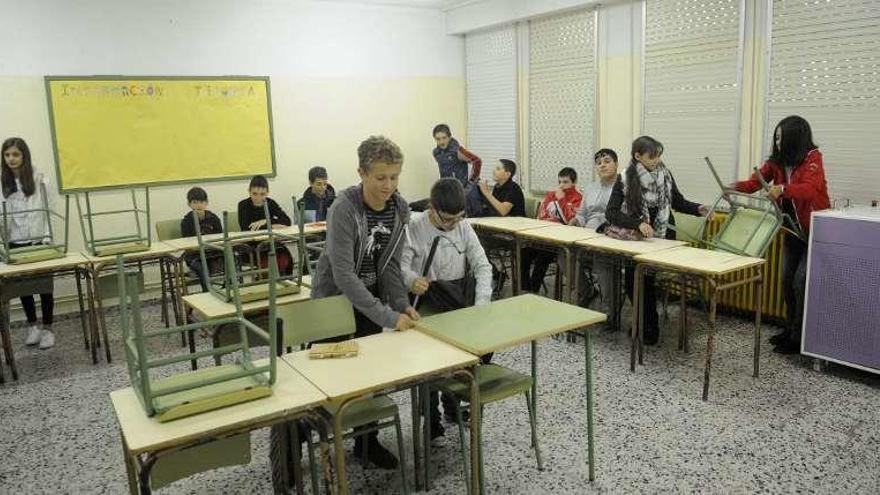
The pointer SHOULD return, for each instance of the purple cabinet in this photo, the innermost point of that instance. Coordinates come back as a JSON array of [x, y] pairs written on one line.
[[842, 311]]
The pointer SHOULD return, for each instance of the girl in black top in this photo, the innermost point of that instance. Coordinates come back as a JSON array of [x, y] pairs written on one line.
[[644, 201]]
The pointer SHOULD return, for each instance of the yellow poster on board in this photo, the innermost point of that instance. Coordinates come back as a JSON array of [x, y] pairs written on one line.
[[116, 132]]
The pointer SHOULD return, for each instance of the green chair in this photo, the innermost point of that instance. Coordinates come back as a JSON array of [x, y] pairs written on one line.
[[96, 239], [167, 230], [40, 248], [312, 321], [496, 383]]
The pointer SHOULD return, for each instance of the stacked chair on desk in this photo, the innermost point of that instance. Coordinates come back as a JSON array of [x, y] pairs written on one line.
[[181, 394]]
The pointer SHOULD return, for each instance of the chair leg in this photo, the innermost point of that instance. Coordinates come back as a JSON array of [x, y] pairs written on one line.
[[464, 451], [534, 432], [313, 466], [401, 453]]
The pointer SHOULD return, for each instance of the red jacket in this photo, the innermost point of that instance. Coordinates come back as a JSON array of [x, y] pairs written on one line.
[[568, 205], [808, 189]]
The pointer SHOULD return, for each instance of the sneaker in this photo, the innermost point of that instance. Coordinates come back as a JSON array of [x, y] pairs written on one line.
[[35, 333], [377, 454], [47, 339]]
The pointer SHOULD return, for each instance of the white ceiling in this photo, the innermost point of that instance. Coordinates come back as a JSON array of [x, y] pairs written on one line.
[[424, 4]]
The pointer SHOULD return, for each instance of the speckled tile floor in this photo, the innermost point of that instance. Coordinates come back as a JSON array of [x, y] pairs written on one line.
[[793, 430]]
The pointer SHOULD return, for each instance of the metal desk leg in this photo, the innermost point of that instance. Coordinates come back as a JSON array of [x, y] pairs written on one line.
[[635, 333], [7, 341], [534, 405], [588, 366], [129, 467], [338, 450], [517, 263], [476, 412], [101, 317], [82, 309], [710, 343], [424, 395], [93, 318], [758, 283], [416, 435]]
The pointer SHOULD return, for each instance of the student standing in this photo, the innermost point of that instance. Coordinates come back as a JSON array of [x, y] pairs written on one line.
[[453, 159], [22, 191], [361, 258], [797, 175], [644, 201]]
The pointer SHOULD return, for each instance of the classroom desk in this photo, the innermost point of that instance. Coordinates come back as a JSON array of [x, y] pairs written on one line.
[[97, 264], [386, 362], [619, 253], [145, 440], [503, 229], [709, 266], [12, 276], [559, 239], [509, 322], [209, 307]]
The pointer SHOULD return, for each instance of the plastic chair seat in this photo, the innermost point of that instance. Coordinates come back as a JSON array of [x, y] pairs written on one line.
[[495, 382], [35, 255], [365, 411], [121, 248], [261, 291]]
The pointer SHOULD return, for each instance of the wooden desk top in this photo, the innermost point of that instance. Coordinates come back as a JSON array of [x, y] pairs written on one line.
[[629, 248], [384, 360], [291, 394], [507, 323], [508, 224], [68, 261], [559, 234], [157, 249], [192, 243], [210, 307], [702, 261]]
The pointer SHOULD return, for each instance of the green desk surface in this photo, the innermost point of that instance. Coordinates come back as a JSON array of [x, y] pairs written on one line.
[[56, 264], [628, 248], [702, 261], [508, 224], [384, 360], [291, 394], [507, 323], [210, 307], [558, 234]]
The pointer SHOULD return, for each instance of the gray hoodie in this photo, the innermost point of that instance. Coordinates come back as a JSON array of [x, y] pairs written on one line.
[[344, 251]]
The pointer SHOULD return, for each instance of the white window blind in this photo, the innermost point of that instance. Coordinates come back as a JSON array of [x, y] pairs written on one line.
[[825, 67], [692, 95], [490, 58], [562, 97]]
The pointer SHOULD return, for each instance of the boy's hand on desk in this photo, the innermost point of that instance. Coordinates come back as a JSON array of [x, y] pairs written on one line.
[[405, 320], [573, 221], [704, 211], [646, 230], [419, 286], [256, 225]]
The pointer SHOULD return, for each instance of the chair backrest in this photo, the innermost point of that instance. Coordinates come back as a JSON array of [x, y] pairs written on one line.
[[531, 205], [689, 228], [233, 226], [168, 229], [315, 319]]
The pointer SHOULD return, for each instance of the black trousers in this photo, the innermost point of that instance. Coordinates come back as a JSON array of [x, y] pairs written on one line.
[[28, 304], [535, 263], [794, 284], [652, 319]]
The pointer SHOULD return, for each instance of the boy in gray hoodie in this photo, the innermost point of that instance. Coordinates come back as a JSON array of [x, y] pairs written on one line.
[[365, 238]]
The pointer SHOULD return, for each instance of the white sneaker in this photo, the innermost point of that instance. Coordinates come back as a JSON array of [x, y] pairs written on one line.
[[47, 340], [35, 333]]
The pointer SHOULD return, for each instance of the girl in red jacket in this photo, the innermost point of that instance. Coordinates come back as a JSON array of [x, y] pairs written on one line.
[[798, 183]]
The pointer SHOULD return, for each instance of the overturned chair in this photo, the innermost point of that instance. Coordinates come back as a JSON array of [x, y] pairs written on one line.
[[104, 238], [33, 248]]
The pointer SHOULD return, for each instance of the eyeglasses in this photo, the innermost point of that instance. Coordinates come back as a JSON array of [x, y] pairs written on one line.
[[448, 221]]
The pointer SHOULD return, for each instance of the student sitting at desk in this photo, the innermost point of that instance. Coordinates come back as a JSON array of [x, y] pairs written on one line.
[[209, 223], [641, 205], [559, 205], [361, 259], [460, 274], [21, 192], [318, 197], [251, 217], [505, 198], [795, 169], [591, 215]]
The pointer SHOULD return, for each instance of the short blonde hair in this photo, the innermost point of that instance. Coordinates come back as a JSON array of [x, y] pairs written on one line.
[[378, 149]]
